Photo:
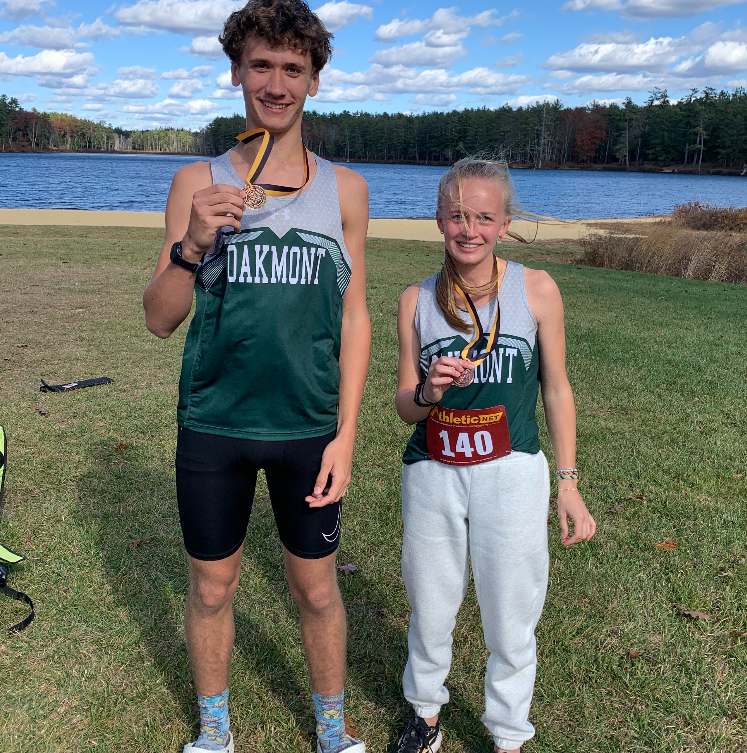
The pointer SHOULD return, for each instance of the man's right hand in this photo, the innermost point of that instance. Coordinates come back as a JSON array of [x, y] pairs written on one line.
[[212, 208]]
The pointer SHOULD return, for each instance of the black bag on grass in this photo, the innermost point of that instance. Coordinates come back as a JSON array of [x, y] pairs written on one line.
[[7, 557]]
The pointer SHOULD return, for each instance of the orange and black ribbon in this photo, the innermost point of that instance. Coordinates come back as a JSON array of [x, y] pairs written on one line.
[[471, 352], [260, 160]]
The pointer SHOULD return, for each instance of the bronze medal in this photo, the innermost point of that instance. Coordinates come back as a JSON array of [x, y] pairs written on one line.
[[467, 377], [471, 352], [254, 196]]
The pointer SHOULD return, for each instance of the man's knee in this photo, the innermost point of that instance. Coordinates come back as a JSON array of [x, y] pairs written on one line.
[[213, 588], [315, 596]]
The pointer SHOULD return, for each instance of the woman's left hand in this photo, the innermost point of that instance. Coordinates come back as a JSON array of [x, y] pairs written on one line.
[[570, 505]]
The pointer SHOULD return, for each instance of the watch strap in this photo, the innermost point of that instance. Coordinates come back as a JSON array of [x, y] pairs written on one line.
[[418, 397], [176, 258]]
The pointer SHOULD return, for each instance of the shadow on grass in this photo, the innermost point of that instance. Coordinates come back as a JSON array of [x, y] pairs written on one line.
[[377, 646], [131, 511]]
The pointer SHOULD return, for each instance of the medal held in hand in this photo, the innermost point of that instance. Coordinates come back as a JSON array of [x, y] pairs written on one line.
[[468, 376], [471, 352], [255, 194]]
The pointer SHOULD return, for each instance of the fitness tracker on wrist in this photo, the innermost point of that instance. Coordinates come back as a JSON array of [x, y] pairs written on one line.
[[176, 258], [418, 398]]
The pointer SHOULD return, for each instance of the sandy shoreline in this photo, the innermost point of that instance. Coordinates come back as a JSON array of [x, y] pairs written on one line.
[[415, 230]]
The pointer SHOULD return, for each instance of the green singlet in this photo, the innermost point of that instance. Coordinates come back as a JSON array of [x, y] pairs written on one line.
[[261, 359]]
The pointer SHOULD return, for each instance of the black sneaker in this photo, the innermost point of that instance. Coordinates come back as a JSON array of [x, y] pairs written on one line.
[[418, 737]]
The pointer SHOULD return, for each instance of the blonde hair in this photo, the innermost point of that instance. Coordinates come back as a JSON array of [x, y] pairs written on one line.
[[495, 172]]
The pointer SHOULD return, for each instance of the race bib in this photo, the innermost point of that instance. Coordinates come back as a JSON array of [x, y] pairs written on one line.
[[467, 437]]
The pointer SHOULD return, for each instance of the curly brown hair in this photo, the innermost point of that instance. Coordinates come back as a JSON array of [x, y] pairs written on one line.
[[283, 23]]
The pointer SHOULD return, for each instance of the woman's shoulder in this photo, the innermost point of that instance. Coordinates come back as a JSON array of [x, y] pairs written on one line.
[[543, 294], [409, 298]]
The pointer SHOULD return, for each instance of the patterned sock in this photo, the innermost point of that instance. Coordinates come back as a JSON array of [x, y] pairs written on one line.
[[330, 723], [214, 721]]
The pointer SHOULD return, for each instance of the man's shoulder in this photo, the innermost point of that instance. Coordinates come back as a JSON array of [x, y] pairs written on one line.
[[194, 177], [352, 192], [349, 179]]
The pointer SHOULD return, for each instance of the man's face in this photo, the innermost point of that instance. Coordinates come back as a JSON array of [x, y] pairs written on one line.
[[275, 82]]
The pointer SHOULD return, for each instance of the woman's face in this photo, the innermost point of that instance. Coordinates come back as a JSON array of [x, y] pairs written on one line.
[[472, 229]]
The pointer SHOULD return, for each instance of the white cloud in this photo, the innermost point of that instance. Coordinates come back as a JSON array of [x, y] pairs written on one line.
[[624, 82], [56, 37], [337, 15], [651, 8], [434, 100], [97, 30], [444, 19], [655, 54], [205, 47], [528, 100], [175, 75], [27, 97], [51, 68], [509, 62], [130, 88], [737, 83], [224, 81], [41, 37], [225, 94], [170, 107], [197, 72], [190, 17], [186, 88], [17, 10], [514, 36], [353, 94], [94, 108], [136, 72], [420, 54], [402, 79], [721, 58], [612, 101], [621, 37], [593, 5]]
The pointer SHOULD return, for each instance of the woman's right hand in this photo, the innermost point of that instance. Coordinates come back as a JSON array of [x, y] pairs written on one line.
[[212, 208], [441, 375]]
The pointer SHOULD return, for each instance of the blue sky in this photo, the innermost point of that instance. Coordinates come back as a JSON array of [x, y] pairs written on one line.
[[157, 62]]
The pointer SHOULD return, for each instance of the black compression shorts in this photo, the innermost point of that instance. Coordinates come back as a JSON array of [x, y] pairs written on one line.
[[215, 481]]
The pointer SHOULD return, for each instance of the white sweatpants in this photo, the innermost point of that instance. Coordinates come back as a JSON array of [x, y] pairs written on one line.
[[496, 514]]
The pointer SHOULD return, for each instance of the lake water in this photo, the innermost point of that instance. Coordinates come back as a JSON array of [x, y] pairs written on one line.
[[140, 183]]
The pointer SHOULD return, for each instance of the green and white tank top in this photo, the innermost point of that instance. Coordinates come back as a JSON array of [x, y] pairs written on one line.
[[508, 376], [261, 359]]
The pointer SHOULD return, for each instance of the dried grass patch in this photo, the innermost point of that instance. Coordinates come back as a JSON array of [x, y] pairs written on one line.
[[671, 249], [697, 216]]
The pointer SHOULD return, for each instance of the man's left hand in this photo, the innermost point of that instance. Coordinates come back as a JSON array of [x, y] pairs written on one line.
[[334, 474]]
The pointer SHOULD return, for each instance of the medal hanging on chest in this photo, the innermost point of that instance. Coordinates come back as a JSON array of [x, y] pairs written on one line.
[[255, 194], [471, 351]]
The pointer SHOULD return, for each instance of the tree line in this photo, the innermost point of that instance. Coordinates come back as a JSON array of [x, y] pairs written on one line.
[[31, 130], [705, 127]]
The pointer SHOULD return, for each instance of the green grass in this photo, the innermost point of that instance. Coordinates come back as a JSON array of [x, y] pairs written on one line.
[[659, 369]]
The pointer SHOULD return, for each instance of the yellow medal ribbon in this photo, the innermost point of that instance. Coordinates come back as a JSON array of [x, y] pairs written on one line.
[[255, 194], [471, 353]]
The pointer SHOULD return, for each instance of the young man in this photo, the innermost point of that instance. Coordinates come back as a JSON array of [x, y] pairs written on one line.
[[275, 359]]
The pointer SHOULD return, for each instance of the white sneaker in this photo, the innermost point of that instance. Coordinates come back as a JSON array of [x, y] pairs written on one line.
[[191, 748], [359, 747]]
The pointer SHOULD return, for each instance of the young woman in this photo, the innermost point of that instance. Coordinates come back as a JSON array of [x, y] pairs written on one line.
[[473, 341]]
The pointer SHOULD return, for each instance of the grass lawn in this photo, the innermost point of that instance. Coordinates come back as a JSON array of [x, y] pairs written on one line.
[[659, 369]]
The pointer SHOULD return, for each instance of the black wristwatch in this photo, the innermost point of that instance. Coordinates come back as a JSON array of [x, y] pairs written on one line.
[[176, 258], [417, 397]]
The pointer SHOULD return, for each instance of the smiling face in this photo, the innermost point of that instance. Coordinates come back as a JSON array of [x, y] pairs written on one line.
[[275, 82], [472, 228]]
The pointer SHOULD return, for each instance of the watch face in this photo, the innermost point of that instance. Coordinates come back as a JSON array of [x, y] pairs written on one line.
[[176, 258]]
